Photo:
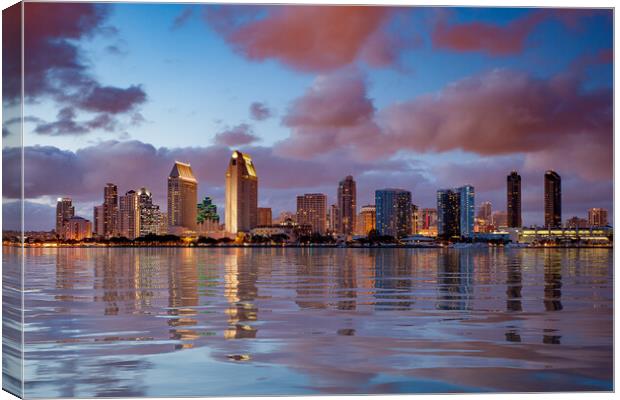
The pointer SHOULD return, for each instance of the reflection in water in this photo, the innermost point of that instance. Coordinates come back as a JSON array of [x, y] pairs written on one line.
[[112, 322]]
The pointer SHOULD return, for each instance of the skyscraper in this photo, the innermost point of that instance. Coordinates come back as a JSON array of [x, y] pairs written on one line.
[[110, 210], [393, 208], [332, 216], [448, 213], [513, 203], [485, 210], [129, 221], [149, 213], [367, 219], [312, 210], [264, 216], [467, 210], [64, 211], [241, 194], [182, 198], [347, 205], [553, 199], [597, 217], [415, 219], [76, 228], [98, 217], [429, 219]]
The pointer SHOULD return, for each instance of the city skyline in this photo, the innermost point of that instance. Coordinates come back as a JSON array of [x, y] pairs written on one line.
[[404, 103]]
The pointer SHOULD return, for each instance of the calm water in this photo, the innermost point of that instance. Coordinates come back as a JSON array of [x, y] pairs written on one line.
[[163, 322]]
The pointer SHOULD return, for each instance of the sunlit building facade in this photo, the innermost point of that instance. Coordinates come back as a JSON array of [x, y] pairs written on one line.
[[241, 207], [76, 228], [347, 206], [182, 198], [312, 210], [149, 213], [64, 211], [129, 220], [366, 220], [597, 217], [264, 216], [110, 210]]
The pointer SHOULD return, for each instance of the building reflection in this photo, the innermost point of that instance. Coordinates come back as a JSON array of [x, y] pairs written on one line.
[[313, 282], [514, 282], [455, 280], [183, 298], [553, 281], [346, 281], [393, 280], [240, 277]]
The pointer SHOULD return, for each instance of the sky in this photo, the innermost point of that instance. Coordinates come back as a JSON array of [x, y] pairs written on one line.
[[406, 97]]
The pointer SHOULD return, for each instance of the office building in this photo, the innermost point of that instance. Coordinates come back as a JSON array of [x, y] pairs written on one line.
[[99, 218], [129, 220], [467, 210], [366, 220], [76, 228], [264, 216], [110, 210], [484, 211], [241, 207], [449, 213], [312, 210], [332, 219], [182, 198], [149, 213], [597, 217], [393, 212], [415, 219], [513, 201], [500, 219], [577, 223], [553, 199], [347, 206], [64, 211]]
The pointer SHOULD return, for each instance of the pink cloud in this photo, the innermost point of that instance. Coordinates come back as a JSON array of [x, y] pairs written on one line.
[[259, 111], [310, 38], [237, 136]]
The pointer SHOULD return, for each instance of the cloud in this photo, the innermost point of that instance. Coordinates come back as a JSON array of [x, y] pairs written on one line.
[[237, 136], [260, 111], [55, 66], [66, 124], [310, 38], [335, 112], [501, 40]]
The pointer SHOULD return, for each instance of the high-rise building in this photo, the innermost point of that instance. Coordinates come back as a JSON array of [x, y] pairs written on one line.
[[110, 210], [76, 228], [182, 198], [415, 219], [513, 202], [347, 206], [553, 199], [241, 194], [429, 218], [449, 213], [162, 223], [264, 216], [467, 210], [64, 211], [129, 221], [500, 219], [332, 217], [393, 208], [149, 213], [576, 222], [366, 220], [485, 210], [99, 218], [312, 210], [597, 217]]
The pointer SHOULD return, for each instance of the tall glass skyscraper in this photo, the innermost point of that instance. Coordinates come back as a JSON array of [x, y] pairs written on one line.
[[110, 210], [347, 205], [467, 210], [553, 199], [513, 203], [393, 212], [455, 212]]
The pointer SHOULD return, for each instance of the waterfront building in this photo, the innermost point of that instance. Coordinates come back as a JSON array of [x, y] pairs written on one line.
[[162, 223], [467, 210], [415, 219], [76, 228], [366, 220], [576, 222], [241, 194], [182, 198], [513, 201], [592, 235], [129, 221], [99, 218], [312, 210], [149, 213], [110, 210], [448, 213], [500, 219], [428, 222], [332, 219], [285, 216], [485, 210], [208, 219], [393, 212], [553, 199], [597, 217], [64, 211], [347, 206], [264, 216]]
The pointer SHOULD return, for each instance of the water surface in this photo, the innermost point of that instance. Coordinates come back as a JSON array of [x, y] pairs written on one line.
[[241, 321]]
